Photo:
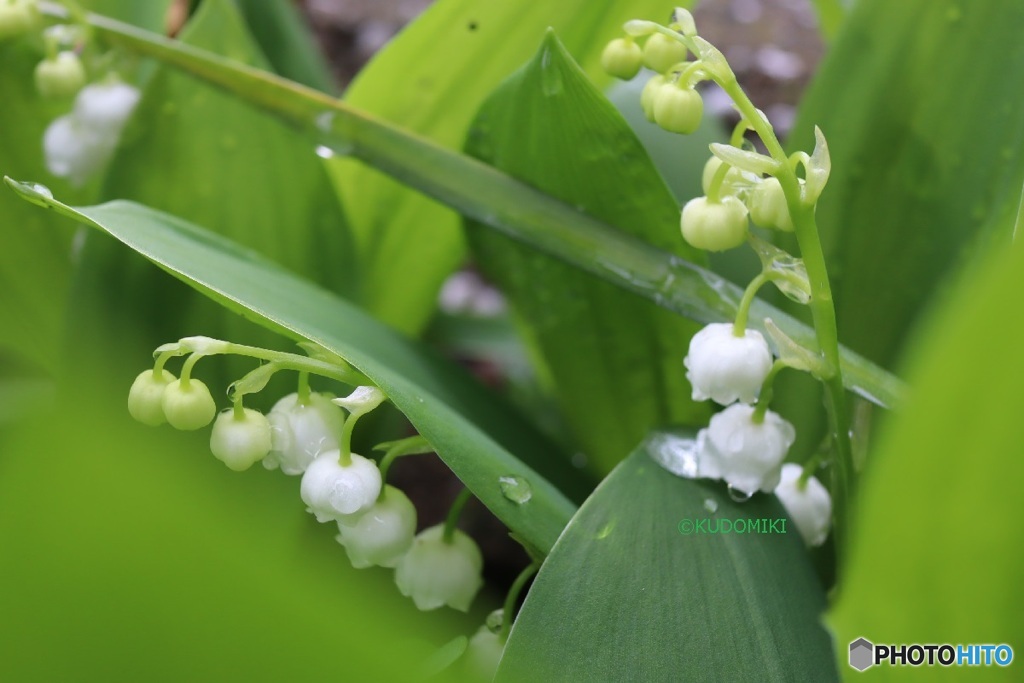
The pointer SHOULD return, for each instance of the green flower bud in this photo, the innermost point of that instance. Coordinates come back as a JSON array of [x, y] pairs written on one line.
[[768, 206], [661, 53], [239, 441], [678, 110], [622, 58], [649, 93], [714, 226], [730, 184], [145, 398], [16, 18], [188, 406], [61, 76]]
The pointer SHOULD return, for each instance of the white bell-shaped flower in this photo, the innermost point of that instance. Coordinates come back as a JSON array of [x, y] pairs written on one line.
[[809, 507], [435, 572], [106, 106], [145, 398], [188, 404], [482, 656], [302, 431], [77, 145], [333, 491], [239, 441], [382, 534], [727, 368], [746, 454], [73, 150]]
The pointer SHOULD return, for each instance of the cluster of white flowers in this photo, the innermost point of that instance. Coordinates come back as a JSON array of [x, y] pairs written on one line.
[[304, 437], [740, 446], [78, 144]]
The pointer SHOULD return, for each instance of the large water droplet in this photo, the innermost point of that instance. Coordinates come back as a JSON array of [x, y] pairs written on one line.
[[711, 505], [739, 496], [679, 455], [495, 620], [42, 189], [515, 489], [605, 531]]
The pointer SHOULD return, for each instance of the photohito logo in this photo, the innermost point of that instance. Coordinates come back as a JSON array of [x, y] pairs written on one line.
[[865, 654]]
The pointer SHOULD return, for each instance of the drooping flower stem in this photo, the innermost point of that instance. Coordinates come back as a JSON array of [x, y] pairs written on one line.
[[764, 398], [513, 597], [345, 446], [743, 310], [453, 514]]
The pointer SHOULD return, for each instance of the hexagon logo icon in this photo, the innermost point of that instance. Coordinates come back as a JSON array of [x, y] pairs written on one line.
[[861, 654]]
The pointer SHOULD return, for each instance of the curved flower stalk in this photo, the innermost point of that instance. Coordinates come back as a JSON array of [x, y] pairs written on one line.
[[746, 445]]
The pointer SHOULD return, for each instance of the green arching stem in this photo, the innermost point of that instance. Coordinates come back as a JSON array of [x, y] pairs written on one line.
[[293, 361], [764, 397], [823, 311], [513, 597], [739, 328], [161, 360], [186, 369], [237, 407], [390, 456], [715, 188], [453, 514], [345, 447], [303, 390], [683, 80]]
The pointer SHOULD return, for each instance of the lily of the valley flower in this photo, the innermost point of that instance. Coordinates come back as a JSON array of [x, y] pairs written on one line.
[[240, 440], [436, 572], [480, 662], [382, 534], [145, 398], [188, 405], [302, 431], [80, 143], [810, 506], [727, 368], [333, 491], [748, 455]]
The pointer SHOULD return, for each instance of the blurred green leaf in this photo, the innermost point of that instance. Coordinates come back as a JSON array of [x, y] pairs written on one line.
[[35, 258], [131, 554], [613, 363], [936, 546], [431, 80], [491, 197], [625, 596], [150, 15], [281, 31], [476, 435], [831, 14], [927, 159]]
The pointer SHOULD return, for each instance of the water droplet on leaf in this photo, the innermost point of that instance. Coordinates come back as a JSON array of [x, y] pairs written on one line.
[[515, 488], [739, 496]]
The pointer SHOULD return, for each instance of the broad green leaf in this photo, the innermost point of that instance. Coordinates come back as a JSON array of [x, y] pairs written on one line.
[[613, 363], [151, 15], [431, 80], [201, 154], [35, 259], [831, 14], [937, 547], [478, 437], [132, 554], [281, 31], [627, 596], [494, 199], [927, 161]]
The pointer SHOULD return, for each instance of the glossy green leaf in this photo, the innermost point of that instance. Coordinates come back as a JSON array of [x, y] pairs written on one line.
[[476, 435], [937, 547], [927, 160], [494, 199], [198, 153], [626, 595], [431, 80], [614, 363]]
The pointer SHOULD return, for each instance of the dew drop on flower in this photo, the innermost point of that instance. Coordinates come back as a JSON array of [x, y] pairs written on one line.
[[739, 496], [495, 620], [515, 488]]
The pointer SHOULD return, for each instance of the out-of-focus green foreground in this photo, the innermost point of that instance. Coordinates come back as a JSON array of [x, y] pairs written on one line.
[[125, 557]]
